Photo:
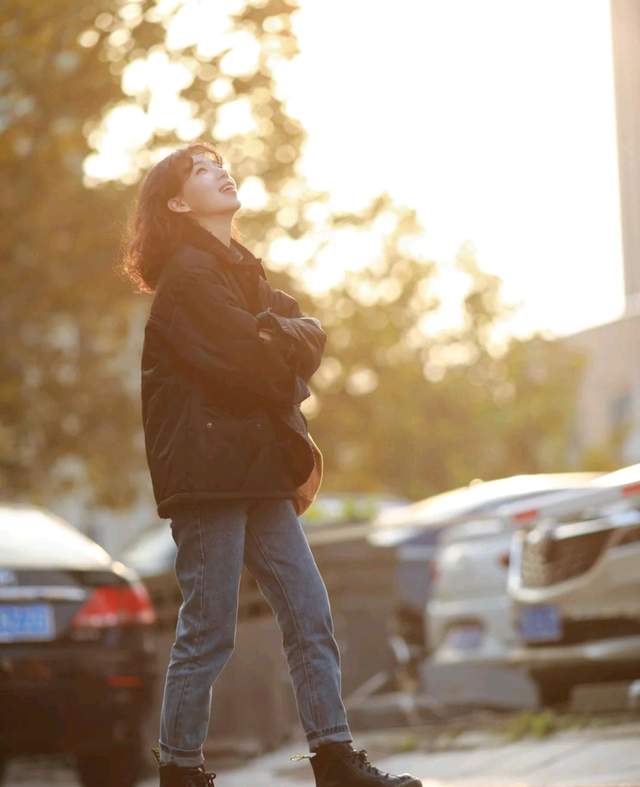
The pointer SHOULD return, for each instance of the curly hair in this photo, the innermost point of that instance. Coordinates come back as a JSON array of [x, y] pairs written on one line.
[[152, 229]]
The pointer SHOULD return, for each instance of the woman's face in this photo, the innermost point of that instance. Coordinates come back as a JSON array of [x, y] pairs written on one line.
[[209, 189]]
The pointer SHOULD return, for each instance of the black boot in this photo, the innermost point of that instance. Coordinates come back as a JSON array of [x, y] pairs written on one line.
[[338, 764], [172, 775]]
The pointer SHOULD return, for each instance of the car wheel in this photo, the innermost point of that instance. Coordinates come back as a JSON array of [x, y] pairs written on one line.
[[119, 766]]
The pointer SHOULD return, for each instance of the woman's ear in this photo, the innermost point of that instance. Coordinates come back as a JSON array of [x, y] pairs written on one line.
[[178, 205]]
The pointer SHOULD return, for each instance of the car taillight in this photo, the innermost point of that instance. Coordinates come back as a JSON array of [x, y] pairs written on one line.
[[526, 516], [121, 605], [630, 490]]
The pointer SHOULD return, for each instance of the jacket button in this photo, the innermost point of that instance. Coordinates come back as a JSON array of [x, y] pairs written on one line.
[[209, 424]]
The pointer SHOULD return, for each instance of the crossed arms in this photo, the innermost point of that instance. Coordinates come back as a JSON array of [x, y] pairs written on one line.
[[223, 343]]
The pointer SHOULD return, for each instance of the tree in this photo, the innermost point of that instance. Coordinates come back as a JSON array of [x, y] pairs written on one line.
[[69, 409], [413, 412], [63, 408]]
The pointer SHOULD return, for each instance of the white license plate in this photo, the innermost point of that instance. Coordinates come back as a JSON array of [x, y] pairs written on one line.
[[540, 623], [26, 622]]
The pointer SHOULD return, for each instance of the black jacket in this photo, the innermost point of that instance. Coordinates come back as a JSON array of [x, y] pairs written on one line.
[[220, 405]]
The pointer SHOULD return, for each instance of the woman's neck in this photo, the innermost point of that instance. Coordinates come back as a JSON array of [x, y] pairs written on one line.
[[219, 226]]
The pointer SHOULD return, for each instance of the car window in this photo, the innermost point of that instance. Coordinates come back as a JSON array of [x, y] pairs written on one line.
[[153, 552], [32, 536]]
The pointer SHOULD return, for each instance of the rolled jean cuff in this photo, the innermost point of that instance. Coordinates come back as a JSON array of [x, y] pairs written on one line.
[[184, 757], [341, 732]]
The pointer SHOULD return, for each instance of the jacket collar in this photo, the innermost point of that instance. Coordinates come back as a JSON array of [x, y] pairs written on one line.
[[234, 257]]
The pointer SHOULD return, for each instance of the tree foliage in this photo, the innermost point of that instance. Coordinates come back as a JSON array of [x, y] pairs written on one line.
[[411, 412], [69, 406]]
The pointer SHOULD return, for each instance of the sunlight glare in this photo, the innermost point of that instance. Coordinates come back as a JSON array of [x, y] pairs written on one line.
[[494, 120]]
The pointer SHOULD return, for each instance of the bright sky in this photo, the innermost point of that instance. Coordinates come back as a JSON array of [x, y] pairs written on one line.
[[494, 120]]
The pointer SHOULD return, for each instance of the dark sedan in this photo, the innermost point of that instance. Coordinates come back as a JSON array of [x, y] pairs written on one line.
[[76, 649]]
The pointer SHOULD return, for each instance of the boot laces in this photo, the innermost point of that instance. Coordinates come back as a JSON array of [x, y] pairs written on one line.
[[209, 776], [204, 778], [362, 759]]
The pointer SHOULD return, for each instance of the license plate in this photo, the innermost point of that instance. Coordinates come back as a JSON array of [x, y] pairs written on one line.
[[464, 637], [25, 622], [540, 624]]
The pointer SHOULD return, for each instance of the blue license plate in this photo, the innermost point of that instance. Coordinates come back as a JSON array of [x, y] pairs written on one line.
[[25, 622], [464, 637], [541, 623]]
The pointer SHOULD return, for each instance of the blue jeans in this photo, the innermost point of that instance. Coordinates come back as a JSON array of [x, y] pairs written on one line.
[[214, 540]]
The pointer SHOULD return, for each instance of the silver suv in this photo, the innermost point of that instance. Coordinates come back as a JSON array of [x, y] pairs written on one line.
[[574, 576]]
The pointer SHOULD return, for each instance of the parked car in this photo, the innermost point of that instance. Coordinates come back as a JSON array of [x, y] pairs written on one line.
[[469, 613], [76, 652], [575, 579], [416, 532], [335, 508]]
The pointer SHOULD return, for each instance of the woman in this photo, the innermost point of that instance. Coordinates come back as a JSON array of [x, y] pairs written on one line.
[[225, 365]]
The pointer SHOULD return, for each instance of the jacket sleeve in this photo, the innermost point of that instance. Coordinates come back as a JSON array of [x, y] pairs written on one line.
[[305, 335], [219, 340]]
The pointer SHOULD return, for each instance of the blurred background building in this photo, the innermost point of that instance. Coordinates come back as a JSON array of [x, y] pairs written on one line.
[[609, 402]]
